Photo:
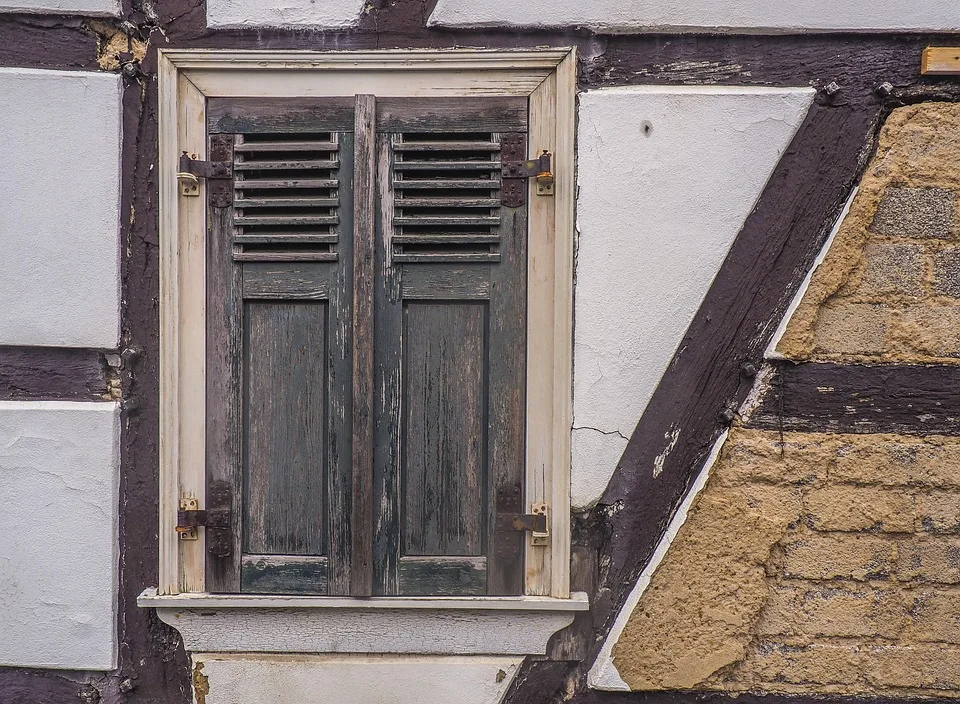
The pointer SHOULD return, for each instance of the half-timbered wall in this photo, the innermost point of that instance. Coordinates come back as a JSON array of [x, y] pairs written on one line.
[[717, 145]]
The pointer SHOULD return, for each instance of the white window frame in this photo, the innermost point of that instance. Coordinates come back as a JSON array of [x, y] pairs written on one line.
[[186, 78]]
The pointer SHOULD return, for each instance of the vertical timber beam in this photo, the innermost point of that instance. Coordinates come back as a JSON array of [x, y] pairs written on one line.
[[361, 561]]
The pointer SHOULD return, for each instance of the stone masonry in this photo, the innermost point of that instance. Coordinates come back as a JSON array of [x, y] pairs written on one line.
[[826, 563], [889, 288]]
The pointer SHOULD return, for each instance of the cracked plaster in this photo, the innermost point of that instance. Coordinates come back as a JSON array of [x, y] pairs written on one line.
[[284, 13], [655, 225], [708, 15], [59, 482]]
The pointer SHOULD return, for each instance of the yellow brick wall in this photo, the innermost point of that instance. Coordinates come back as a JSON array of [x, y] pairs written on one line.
[[825, 563], [889, 289]]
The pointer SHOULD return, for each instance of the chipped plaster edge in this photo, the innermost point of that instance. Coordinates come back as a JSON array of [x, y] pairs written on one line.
[[771, 351], [604, 674]]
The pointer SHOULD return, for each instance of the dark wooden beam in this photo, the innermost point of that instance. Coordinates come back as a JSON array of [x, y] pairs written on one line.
[[859, 398], [38, 41], [49, 373]]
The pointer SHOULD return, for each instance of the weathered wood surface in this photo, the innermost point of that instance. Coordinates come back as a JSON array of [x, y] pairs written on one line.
[[224, 372], [284, 428], [49, 373], [279, 115], [492, 114], [442, 576], [284, 574], [857, 398], [364, 209], [444, 401]]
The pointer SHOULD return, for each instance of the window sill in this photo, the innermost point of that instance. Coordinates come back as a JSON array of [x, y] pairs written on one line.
[[304, 624]]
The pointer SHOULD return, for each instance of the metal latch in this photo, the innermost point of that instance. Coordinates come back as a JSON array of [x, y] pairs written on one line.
[[219, 169], [536, 523], [515, 170], [190, 517]]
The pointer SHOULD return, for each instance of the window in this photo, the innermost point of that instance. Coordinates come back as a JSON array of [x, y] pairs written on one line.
[[366, 349]]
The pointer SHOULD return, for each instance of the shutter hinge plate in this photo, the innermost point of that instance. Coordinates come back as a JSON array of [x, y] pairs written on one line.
[[218, 170], [515, 169], [536, 523], [217, 519]]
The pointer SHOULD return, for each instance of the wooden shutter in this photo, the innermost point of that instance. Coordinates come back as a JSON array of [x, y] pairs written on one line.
[[279, 338], [366, 348], [450, 345]]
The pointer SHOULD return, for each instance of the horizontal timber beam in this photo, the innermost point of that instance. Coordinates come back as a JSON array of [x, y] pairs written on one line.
[[859, 398], [52, 373]]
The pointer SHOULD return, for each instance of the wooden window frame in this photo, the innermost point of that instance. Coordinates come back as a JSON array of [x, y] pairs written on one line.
[[188, 76]]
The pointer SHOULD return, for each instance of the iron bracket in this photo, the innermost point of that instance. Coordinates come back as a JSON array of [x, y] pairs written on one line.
[[515, 170], [218, 170]]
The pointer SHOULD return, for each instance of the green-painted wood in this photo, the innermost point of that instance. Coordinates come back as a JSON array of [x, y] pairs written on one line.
[[223, 394], [446, 282], [443, 576], [279, 115], [444, 427], [285, 418], [284, 574], [285, 281]]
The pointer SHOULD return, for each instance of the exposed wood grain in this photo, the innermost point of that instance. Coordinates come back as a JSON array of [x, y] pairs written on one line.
[[389, 343], [446, 282], [284, 423], [507, 403], [289, 281], [224, 372], [443, 576], [364, 209], [47, 373], [340, 362], [855, 398], [493, 114], [284, 574], [941, 61], [279, 115], [444, 424]]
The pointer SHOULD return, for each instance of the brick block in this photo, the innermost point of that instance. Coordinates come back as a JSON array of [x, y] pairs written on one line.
[[928, 559], [916, 212], [913, 666], [798, 608], [851, 328], [759, 456], [858, 508], [939, 512], [816, 663], [892, 461], [856, 556], [935, 616], [946, 272], [896, 269], [927, 331]]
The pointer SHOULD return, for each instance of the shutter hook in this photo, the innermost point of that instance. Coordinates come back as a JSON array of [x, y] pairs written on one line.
[[189, 183]]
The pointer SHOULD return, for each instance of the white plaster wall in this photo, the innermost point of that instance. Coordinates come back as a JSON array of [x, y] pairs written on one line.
[[63, 7], [357, 679], [667, 176], [59, 208], [283, 13], [706, 15], [59, 479]]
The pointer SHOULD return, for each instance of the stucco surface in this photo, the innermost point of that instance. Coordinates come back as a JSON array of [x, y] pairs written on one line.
[[888, 288], [59, 478], [346, 679], [66, 7], [666, 177], [810, 563], [59, 208], [708, 15], [283, 13]]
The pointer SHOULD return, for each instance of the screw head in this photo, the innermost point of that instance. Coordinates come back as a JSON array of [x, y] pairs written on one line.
[[127, 685], [727, 415], [131, 69], [748, 369], [884, 89], [832, 88]]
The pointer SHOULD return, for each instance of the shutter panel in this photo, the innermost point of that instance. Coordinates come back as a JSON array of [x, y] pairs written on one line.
[[278, 349], [298, 378], [450, 341]]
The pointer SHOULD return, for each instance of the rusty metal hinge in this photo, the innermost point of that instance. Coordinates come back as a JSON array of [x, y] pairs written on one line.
[[218, 170], [217, 519], [515, 169]]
